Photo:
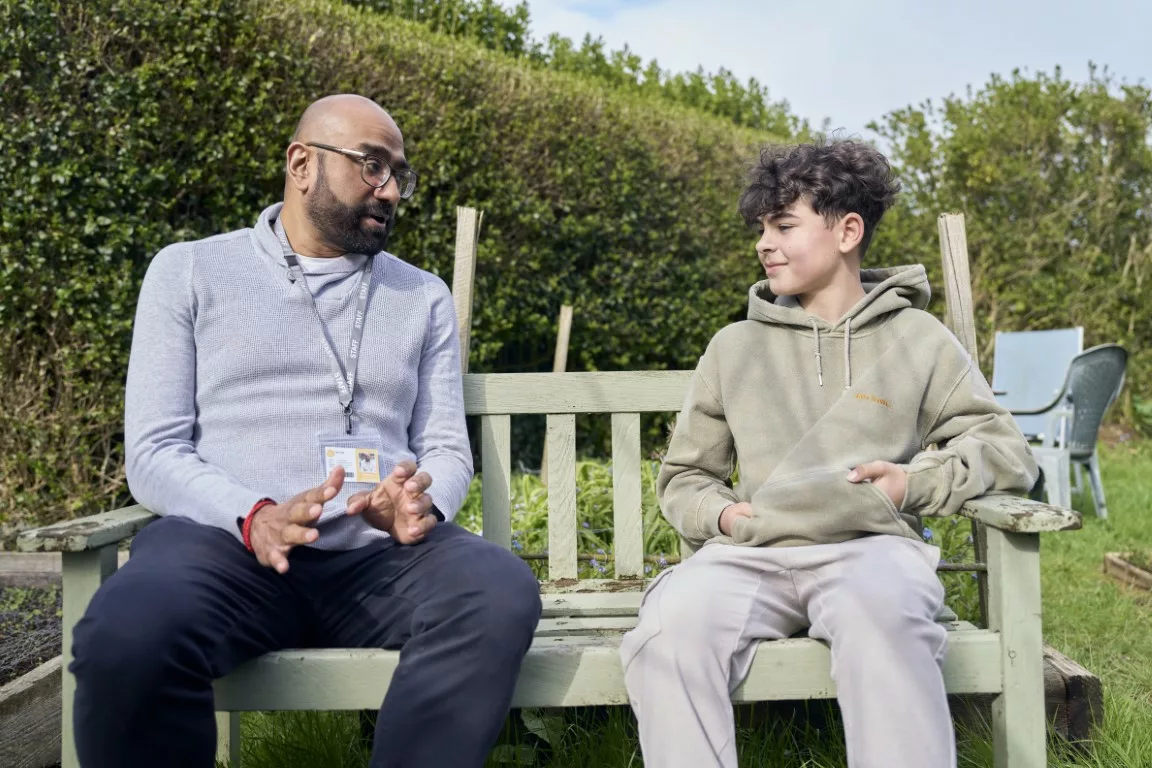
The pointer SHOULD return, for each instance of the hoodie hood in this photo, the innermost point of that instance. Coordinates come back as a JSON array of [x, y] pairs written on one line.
[[886, 290]]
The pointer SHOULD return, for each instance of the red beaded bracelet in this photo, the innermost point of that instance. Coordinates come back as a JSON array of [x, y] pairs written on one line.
[[246, 531]]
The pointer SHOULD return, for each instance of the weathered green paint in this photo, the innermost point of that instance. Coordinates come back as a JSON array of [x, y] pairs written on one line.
[[1018, 719], [83, 573], [87, 532], [1016, 515]]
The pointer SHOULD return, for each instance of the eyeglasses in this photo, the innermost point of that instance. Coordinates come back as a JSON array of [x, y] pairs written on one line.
[[376, 172]]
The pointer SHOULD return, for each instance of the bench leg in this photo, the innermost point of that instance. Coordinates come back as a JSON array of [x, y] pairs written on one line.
[[1019, 727], [228, 738], [83, 573]]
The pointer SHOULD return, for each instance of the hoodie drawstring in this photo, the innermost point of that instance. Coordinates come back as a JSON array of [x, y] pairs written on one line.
[[847, 354], [819, 364]]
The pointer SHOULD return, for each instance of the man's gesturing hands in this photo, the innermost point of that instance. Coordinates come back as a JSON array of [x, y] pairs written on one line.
[[277, 528], [398, 505]]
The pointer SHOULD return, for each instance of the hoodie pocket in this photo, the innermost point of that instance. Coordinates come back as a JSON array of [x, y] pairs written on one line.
[[884, 499], [817, 507]]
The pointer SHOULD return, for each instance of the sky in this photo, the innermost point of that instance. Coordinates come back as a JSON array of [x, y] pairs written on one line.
[[854, 62]]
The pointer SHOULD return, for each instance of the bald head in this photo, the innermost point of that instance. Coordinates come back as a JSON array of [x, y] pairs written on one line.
[[327, 204], [340, 113]]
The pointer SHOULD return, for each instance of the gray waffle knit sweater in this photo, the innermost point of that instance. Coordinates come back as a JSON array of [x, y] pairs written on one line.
[[229, 387]]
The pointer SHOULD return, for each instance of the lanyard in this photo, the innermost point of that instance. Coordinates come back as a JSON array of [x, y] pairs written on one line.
[[345, 386]]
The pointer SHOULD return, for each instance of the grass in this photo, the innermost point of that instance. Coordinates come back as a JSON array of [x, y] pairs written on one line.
[[1103, 626]]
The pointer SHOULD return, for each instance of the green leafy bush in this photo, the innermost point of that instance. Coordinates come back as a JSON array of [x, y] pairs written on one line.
[[133, 124]]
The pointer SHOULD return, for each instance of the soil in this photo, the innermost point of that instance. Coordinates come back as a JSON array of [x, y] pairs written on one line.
[[30, 629]]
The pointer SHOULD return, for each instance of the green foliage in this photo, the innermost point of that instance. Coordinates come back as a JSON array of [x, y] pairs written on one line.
[[720, 93], [507, 30], [595, 540], [484, 21], [134, 124], [1055, 181]]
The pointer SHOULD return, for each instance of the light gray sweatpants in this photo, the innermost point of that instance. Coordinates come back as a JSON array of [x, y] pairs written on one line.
[[874, 600]]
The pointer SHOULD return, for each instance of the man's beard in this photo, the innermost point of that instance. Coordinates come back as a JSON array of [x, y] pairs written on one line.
[[342, 225]]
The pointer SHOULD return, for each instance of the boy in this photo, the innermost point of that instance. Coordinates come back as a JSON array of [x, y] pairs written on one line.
[[827, 398]]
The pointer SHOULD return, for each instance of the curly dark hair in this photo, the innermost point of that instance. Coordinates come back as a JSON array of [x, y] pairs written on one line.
[[835, 177]]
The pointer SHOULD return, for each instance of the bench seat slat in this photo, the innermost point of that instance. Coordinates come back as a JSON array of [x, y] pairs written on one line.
[[561, 626], [569, 671], [601, 604]]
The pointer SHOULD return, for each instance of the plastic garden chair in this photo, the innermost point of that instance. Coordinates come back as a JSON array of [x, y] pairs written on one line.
[[1094, 380], [1029, 369]]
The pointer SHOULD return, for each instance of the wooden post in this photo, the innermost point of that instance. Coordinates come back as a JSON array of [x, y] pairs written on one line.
[[559, 365], [560, 359], [958, 282], [83, 574], [464, 275], [961, 319], [228, 738], [1019, 729]]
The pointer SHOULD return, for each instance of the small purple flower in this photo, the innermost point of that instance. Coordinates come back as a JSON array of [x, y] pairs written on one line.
[[969, 538], [594, 563], [585, 524], [648, 569], [927, 534], [662, 562], [975, 576], [599, 551]]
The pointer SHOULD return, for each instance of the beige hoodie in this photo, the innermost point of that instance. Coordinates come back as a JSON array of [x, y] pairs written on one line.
[[799, 402]]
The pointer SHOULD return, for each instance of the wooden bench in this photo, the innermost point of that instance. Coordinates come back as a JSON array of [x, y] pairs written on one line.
[[574, 661]]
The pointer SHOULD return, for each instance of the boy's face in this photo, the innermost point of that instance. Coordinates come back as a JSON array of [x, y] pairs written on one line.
[[800, 253]]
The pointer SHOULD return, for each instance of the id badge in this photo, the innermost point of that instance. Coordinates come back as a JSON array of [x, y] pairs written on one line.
[[360, 455]]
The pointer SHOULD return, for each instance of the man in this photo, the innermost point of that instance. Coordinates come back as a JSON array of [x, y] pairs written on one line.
[[263, 362]]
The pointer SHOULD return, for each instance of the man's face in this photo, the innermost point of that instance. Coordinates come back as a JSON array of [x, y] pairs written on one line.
[[798, 250], [348, 213], [360, 224]]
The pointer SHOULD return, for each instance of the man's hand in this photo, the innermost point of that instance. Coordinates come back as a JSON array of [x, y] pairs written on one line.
[[730, 513], [398, 505], [886, 476], [277, 528]]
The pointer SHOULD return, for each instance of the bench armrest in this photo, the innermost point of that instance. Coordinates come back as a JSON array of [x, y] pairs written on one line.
[[86, 533], [1016, 515]]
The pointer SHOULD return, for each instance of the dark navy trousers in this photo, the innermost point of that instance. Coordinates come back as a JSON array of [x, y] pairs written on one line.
[[192, 603]]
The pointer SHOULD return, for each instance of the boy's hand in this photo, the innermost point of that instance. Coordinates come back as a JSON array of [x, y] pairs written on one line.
[[886, 476], [730, 513]]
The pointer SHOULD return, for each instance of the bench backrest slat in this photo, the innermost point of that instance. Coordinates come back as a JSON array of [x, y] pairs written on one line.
[[496, 466], [627, 523], [561, 469], [607, 392], [495, 398]]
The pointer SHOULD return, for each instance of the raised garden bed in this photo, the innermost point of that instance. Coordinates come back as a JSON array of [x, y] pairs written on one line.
[[30, 676], [1131, 568]]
